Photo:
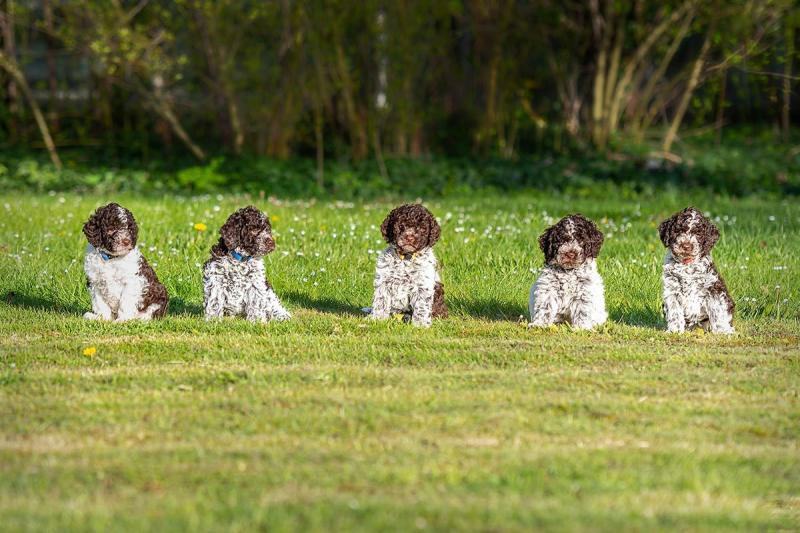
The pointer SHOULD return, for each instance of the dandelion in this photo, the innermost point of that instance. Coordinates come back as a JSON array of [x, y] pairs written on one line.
[[275, 218], [200, 226], [89, 351]]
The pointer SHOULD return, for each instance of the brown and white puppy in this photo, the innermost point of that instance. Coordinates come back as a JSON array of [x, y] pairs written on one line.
[[406, 277], [234, 278], [121, 283], [569, 288], [694, 294]]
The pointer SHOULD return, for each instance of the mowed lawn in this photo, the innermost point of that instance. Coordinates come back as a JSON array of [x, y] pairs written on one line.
[[332, 422]]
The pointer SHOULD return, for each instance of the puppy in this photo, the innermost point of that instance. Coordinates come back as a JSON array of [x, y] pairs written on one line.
[[234, 279], [695, 294], [121, 283], [406, 277], [569, 288]]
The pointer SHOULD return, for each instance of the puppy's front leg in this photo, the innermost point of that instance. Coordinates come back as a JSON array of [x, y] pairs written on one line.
[[256, 304], [673, 314], [129, 304], [583, 315], [422, 306], [100, 309], [381, 301], [719, 315], [275, 308], [213, 298], [543, 305]]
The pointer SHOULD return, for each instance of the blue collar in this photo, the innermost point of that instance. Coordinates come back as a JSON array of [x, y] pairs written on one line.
[[104, 255], [239, 257]]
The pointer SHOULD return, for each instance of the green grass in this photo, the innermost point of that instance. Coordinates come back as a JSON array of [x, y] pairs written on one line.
[[331, 421]]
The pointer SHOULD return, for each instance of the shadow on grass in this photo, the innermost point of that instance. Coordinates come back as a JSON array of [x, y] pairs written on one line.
[[325, 305], [494, 310], [641, 316], [179, 306], [26, 301]]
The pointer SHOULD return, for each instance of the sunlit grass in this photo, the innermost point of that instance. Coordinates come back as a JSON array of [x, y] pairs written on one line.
[[330, 421]]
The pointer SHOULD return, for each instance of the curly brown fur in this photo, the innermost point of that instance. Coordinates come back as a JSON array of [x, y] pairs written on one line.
[[688, 222], [411, 228], [112, 229], [439, 309], [247, 231], [155, 293], [577, 229]]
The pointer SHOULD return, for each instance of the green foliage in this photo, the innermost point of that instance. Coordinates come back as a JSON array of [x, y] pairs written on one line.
[[746, 163], [354, 79], [203, 178]]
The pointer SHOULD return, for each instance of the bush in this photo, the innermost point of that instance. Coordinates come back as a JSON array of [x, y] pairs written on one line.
[[741, 166]]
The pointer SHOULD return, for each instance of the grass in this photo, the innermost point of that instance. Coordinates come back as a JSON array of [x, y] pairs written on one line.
[[334, 422]]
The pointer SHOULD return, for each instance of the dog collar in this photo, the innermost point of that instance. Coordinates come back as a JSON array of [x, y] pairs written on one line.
[[239, 257], [406, 257], [105, 256]]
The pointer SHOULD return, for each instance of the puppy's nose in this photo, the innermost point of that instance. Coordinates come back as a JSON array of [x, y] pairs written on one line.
[[571, 255], [125, 242], [686, 246]]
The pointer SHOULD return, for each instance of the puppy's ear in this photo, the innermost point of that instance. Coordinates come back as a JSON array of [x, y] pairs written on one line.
[[93, 230], [546, 244], [231, 231], [665, 230], [133, 227], [434, 230], [709, 235], [387, 227], [593, 238]]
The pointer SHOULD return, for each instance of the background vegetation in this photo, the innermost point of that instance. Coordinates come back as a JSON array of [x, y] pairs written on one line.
[[357, 98]]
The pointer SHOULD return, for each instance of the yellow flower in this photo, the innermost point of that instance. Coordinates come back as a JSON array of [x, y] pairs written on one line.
[[275, 218], [89, 351], [200, 226]]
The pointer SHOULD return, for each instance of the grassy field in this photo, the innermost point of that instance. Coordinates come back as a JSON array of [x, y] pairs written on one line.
[[331, 421]]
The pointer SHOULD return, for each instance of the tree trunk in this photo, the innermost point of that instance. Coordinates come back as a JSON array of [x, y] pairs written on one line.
[[694, 79], [52, 75], [720, 120], [319, 139], [10, 49], [357, 134], [10, 66], [637, 119], [602, 32], [633, 63], [221, 85], [163, 108], [787, 78]]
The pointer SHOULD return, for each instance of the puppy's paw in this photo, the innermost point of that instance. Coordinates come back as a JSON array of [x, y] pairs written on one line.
[[282, 317]]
